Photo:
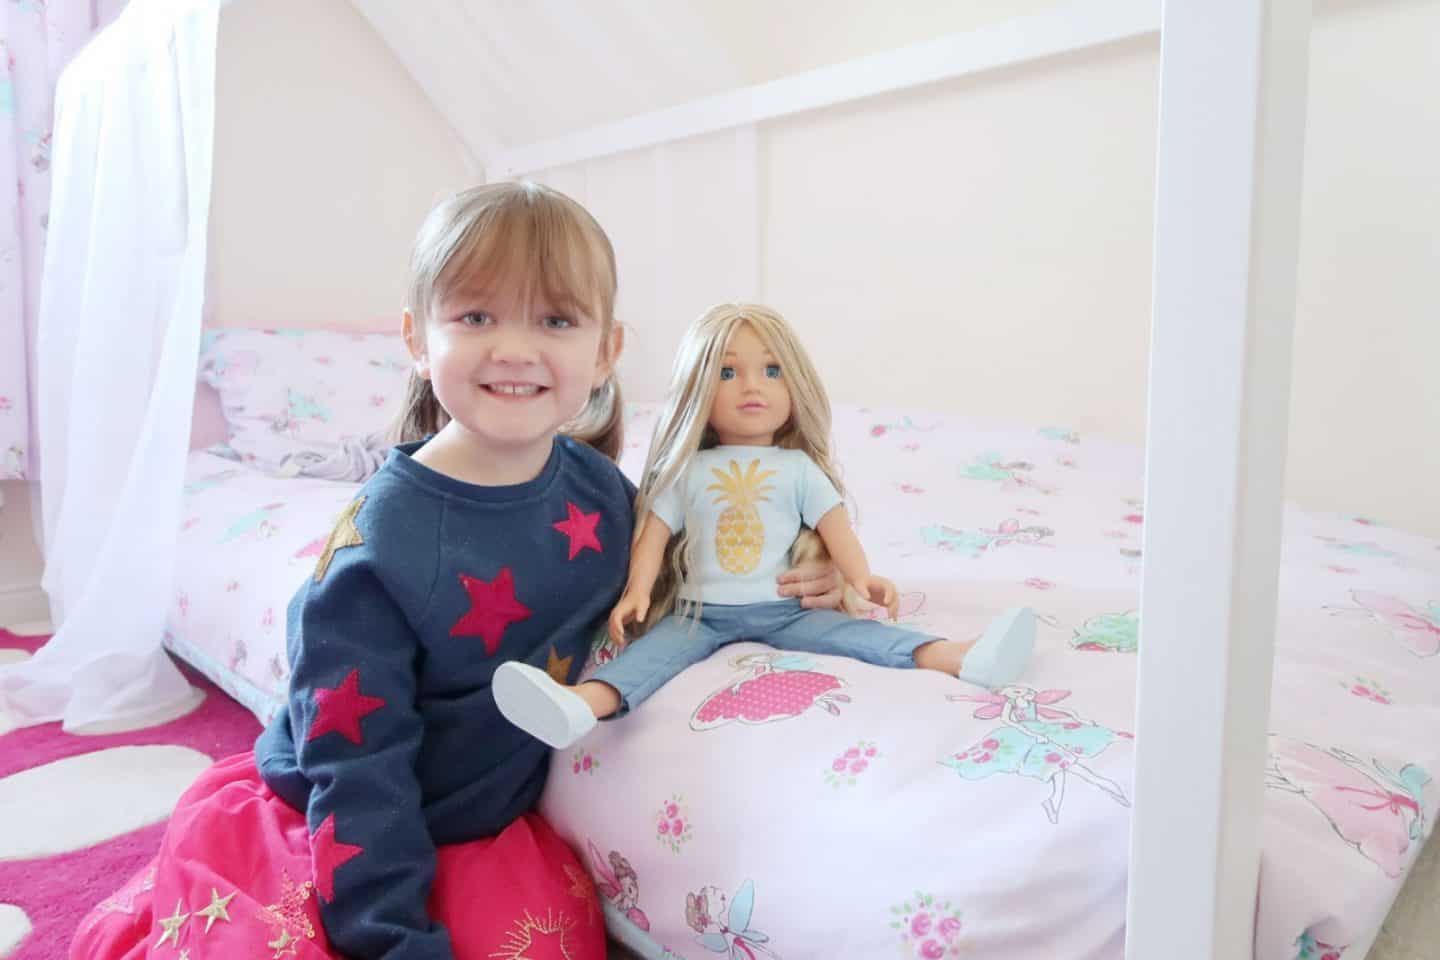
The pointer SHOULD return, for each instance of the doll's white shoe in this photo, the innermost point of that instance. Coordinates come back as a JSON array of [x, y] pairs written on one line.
[[1003, 650], [532, 700]]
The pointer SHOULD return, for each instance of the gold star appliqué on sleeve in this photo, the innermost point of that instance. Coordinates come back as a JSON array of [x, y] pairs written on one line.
[[558, 667], [345, 534]]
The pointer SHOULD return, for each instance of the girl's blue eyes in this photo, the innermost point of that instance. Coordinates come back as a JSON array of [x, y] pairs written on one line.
[[772, 370], [552, 322]]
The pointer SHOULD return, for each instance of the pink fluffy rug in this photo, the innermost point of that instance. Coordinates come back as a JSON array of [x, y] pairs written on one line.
[[56, 892]]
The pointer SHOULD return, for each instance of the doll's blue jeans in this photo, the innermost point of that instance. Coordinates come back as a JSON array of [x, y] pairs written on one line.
[[650, 661]]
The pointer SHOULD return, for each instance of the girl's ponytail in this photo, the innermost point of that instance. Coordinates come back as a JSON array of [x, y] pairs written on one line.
[[602, 423], [421, 415]]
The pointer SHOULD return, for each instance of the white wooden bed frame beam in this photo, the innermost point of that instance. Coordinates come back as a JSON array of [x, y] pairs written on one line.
[[1231, 139], [1075, 26], [1227, 215]]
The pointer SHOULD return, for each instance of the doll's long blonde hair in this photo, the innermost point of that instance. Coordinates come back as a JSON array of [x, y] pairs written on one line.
[[683, 429]]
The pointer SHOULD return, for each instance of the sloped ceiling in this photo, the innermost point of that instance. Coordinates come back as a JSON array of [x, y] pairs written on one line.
[[511, 72]]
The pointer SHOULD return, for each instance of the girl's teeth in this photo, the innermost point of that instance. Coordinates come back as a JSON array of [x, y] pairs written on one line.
[[515, 389]]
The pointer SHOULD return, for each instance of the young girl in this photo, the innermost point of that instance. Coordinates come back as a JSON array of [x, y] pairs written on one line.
[[388, 812], [740, 459]]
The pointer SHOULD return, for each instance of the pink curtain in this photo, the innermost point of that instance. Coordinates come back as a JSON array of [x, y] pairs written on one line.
[[37, 40]]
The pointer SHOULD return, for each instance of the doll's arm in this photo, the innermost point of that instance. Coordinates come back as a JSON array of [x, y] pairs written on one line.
[[645, 558], [647, 555], [849, 556], [845, 550]]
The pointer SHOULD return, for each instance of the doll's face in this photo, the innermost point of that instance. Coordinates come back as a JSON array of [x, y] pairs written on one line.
[[752, 400]]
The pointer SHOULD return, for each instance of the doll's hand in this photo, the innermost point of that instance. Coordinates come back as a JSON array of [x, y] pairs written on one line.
[[632, 606], [880, 591]]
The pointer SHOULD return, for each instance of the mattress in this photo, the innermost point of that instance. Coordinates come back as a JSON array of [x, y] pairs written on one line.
[[764, 804]]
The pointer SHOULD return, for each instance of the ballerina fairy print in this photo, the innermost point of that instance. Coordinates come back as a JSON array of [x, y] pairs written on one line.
[[772, 686], [618, 883], [975, 543], [1417, 630], [1037, 740], [1380, 813]]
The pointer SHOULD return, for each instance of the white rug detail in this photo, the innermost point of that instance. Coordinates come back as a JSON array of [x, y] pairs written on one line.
[[56, 808], [140, 721], [8, 655], [14, 927], [36, 628]]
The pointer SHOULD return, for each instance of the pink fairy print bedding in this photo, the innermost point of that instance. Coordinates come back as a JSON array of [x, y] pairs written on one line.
[[773, 805]]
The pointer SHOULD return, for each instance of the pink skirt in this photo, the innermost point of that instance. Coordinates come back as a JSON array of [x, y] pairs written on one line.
[[233, 879]]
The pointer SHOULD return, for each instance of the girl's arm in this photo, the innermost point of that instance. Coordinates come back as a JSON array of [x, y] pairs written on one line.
[[357, 736]]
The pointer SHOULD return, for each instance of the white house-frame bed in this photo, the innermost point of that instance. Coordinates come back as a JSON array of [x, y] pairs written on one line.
[[1231, 133]]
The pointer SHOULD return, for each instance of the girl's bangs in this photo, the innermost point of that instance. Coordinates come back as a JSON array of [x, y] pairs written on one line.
[[540, 253]]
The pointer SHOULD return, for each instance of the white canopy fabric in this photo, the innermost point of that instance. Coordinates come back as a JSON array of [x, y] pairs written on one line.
[[119, 332]]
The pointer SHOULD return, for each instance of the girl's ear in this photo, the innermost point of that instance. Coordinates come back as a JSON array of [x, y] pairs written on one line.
[[610, 350], [415, 343]]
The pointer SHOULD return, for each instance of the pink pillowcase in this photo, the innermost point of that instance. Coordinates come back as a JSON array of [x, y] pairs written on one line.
[[288, 392]]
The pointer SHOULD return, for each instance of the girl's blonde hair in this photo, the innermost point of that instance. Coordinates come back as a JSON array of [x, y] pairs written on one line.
[[683, 428], [516, 234]]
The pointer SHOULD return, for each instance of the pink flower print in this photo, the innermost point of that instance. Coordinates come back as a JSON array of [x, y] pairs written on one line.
[[910, 488], [183, 603], [268, 620], [672, 824], [232, 585], [991, 743], [1037, 583], [910, 447], [851, 763], [927, 927], [584, 762], [1136, 518], [5, 404], [323, 361], [189, 523], [1334, 568], [377, 399], [878, 430], [1052, 757]]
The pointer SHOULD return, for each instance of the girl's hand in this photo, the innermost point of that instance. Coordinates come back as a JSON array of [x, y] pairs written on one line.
[[632, 606], [817, 583], [879, 591]]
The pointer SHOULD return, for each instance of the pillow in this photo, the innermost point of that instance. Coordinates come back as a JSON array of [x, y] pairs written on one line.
[[288, 393]]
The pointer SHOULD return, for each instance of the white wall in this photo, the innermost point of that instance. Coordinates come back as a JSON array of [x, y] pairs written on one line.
[[984, 245], [327, 157]]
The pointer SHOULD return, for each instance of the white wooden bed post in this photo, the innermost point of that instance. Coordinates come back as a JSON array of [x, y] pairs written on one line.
[[1232, 120]]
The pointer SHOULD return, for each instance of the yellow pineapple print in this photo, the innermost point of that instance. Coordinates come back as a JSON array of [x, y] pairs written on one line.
[[740, 533]]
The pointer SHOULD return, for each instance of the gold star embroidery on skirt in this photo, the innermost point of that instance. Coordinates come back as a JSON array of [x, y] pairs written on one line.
[[345, 534], [558, 667], [282, 944], [171, 926], [216, 910]]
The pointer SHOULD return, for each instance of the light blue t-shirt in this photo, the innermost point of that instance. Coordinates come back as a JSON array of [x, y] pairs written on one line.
[[744, 507]]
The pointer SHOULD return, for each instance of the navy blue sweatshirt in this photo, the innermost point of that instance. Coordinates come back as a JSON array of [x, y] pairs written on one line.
[[392, 743]]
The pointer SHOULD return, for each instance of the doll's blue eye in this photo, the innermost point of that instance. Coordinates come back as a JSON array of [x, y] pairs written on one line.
[[727, 373], [772, 370]]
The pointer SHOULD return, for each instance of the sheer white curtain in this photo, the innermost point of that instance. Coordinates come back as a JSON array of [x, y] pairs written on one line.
[[119, 331]]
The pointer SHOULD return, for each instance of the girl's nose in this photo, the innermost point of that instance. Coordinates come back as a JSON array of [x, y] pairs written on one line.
[[512, 345]]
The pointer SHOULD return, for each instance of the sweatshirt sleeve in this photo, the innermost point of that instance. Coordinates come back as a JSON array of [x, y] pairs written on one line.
[[357, 738]]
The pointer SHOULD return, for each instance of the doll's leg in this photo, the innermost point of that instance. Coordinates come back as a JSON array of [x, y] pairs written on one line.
[[997, 658], [832, 632], [559, 715], [649, 662]]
